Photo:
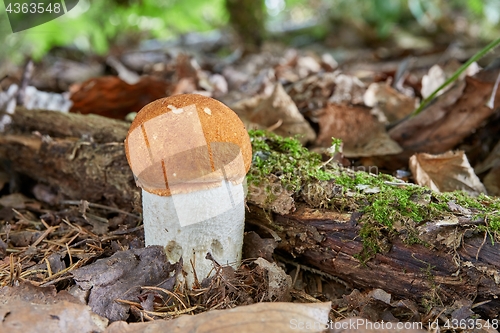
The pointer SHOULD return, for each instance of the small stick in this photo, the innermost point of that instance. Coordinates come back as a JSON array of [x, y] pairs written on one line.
[[94, 205]]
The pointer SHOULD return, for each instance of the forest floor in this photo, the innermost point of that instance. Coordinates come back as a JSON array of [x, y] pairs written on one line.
[[357, 210]]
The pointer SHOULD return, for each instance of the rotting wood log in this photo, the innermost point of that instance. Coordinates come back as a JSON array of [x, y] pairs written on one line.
[[82, 156], [64, 125], [329, 242]]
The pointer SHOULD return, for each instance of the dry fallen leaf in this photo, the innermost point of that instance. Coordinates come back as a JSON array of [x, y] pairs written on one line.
[[14, 200], [277, 112], [432, 80], [389, 105], [492, 181], [348, 89], [492, 161], [360, 132], [255, 246], [112, 97], [445, 172], [437, 76], [453, 116], [312, 93], [295, 66], [31, 309], [256, 318]]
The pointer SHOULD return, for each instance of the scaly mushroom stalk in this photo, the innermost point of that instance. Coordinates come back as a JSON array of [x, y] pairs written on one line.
[[190, 155]]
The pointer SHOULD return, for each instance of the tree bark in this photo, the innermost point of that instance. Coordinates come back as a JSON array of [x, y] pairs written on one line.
[[247, 17], [81, 156], [329, 242]]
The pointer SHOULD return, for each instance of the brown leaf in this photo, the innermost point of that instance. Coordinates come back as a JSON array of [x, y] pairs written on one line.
[[360, 132], [348, 89], [24, 238], [462, 310], [492, 161], [451, 118], [445, 172], [256, 318], [28, 292], [492, 181], [437, 76], [112, 97], [294, 66], [389, 105], [254, 246], [312, 93], [277, 111]]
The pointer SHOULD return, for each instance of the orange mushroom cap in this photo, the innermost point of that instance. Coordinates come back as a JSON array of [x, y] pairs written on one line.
[[186, 143]]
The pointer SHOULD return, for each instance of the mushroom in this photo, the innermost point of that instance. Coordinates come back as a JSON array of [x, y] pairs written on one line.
[[190, 155]]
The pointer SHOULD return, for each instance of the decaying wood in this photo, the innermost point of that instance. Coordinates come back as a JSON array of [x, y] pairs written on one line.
[[329, 242], [80, 156], [64, 125], [83, 158]]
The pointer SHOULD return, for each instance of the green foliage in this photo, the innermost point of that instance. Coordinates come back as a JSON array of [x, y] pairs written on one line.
[[476, 6], [94, 26], [384, 15], [294, 164]]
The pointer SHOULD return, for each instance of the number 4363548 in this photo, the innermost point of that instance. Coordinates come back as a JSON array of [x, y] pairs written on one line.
[[33, 8]]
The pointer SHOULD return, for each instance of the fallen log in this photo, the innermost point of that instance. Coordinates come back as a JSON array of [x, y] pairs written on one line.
[[82, 157], [330, 242]]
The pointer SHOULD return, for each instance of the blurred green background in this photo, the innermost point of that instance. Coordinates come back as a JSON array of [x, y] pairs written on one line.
[[98, 26]]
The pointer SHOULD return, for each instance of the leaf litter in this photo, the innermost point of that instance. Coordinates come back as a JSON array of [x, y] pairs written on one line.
[[95, 253]]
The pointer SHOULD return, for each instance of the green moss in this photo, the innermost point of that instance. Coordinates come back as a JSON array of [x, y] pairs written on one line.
[[390, 208], [285, 158]]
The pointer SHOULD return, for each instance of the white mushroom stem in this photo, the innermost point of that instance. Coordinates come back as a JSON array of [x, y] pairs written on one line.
[[190, 225]]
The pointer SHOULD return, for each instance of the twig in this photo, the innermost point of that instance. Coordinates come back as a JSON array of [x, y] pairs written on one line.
[[168, 292], [481, 246], [62, 278], [42, 236], [275, 126], [94, 205], [172, 313]]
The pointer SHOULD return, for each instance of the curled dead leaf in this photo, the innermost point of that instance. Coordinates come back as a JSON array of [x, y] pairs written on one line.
[[112, 97], [368, 139], [445, 172], [278, 108]]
